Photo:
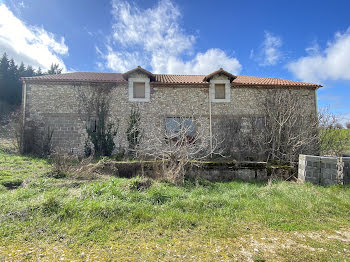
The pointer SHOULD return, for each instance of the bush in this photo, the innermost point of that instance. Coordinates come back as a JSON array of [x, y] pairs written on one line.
[[140, 183], [62, 165]]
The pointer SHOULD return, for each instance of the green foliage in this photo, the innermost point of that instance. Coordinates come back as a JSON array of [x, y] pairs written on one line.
[[102, 138], [140, 183], [11, 85], [100, 130], [134, 132], [87, 148], [54, 69], [335, 141]]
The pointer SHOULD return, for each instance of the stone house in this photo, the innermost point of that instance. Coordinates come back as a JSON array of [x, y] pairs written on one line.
[[51, 100]]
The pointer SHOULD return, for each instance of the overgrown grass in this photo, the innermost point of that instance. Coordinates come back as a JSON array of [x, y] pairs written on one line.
[[137, 219], [15, 169]]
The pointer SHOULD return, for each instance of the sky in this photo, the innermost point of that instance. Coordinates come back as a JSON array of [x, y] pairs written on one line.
[[297, 40]]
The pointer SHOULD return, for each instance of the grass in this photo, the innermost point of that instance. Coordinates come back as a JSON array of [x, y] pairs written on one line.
[[139, 220], [14, 169]]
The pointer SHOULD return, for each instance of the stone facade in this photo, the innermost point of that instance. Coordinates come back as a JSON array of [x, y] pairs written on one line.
[[55, 105]]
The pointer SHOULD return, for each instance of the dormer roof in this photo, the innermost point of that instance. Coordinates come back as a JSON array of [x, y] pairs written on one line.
[[138, 69], [219, 72]]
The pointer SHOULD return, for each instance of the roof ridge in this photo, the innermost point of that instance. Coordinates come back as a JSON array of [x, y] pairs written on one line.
[[177, 75]]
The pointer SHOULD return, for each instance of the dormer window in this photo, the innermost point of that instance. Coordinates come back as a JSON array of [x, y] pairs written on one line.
[[220, 91], [220, 85], [139, 89]]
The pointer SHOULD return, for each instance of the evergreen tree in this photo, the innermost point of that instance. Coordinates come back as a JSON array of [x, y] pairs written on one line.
[[29, 71], [54, 69], [21, 70], [11, 85], [4, 67], [39, 72]]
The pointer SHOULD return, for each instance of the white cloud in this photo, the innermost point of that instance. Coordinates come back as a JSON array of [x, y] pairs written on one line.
[[153, 37], [29, 44], [269, 52], [202, 63], [332, 63]]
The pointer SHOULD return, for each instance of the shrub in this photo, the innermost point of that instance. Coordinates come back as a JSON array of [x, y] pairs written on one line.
[[134, 132], [140, 183]]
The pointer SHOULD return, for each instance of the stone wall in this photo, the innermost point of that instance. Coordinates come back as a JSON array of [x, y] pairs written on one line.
[[214, 171], [324, 170], [55, 104]]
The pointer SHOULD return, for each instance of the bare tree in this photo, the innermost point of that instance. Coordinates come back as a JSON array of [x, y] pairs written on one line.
[[284, 128], [175, 145], [347, 124], [291, 127]]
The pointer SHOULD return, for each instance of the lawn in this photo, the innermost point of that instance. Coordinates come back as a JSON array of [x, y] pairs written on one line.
[[118, 219]]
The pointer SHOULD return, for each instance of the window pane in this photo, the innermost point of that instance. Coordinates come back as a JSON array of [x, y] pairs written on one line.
[[219, 91], [176, 125], [139, 90]]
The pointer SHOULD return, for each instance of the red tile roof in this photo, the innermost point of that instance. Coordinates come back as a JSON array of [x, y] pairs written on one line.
[[180, 79], [268, 81], [167, 79], [79, 76]]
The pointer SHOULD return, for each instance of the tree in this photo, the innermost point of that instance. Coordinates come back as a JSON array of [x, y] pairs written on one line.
[[333, 141], [39, 72], [134, 131], [11, 85], [182, 144], [54, 69], [284, 128], [347, 124], [94, 110], [338, 126]]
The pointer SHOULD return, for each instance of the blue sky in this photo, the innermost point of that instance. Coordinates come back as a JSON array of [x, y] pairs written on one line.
[[297, 40]]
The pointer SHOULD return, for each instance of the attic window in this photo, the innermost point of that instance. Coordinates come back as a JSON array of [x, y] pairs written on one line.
[[139, 90], [219, 91]]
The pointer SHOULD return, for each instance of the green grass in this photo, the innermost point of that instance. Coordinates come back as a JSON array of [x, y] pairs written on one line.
[[14, 169], [110, 219]]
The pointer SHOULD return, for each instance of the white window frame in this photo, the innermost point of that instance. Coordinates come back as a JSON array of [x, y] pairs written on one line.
[[147, 89], [227, 98]]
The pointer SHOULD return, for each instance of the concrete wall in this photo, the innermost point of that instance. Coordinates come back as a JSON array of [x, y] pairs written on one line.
[[55, 104], [324, 170]]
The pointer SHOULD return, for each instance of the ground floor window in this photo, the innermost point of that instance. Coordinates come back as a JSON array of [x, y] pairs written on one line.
[[179, 128]]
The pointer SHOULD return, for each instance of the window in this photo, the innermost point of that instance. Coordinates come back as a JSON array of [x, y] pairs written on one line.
[[176, 127], [92, 124], [139, 90], [219, 91]]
